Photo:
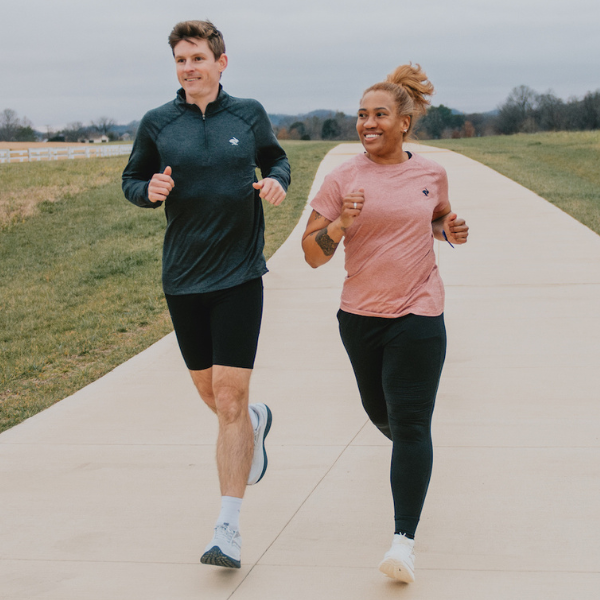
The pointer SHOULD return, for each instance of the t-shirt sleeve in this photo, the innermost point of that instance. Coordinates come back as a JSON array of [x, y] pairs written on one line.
[[443, 198], [328, 200]]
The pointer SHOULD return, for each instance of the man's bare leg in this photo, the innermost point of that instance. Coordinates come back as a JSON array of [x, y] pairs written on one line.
[[225, 390]]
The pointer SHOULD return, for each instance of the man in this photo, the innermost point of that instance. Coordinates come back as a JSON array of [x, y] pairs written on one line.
[[198, 155]]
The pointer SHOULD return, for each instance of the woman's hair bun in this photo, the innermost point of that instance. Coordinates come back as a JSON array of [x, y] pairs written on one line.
[[414, 80]]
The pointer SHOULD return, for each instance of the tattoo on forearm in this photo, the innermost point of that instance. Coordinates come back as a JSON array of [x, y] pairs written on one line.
[[325, 242]]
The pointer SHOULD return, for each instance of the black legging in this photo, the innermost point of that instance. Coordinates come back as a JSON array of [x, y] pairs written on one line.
[[398, 364]]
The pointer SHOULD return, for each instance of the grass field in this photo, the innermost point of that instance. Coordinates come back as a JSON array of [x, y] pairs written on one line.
[[563, 167], [80, 280]]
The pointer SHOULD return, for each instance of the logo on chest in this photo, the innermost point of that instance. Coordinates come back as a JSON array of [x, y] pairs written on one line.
[[234, 141]]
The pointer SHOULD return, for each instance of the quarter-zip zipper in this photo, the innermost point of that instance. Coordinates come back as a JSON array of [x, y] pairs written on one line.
[[205, 155]]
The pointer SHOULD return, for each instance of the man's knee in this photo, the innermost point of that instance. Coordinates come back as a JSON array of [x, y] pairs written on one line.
[[231, 403]]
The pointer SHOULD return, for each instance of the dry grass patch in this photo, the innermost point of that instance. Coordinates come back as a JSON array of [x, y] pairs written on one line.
[[27, 185]]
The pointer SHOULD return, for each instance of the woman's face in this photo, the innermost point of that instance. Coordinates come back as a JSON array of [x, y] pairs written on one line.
[[380, 128]]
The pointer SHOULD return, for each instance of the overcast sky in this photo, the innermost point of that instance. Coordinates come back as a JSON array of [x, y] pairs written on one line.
[[77, 60]]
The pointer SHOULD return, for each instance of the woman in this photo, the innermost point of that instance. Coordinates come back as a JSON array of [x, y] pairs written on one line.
[[388, 205]]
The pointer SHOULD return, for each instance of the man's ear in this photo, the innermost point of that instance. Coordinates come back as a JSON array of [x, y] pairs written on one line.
[[223, 61]]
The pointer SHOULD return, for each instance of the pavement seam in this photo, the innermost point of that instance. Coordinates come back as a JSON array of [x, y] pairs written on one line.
[[314, 489]]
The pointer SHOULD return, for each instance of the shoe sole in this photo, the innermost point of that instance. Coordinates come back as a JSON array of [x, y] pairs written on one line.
[[267, 429], [397, 570], [215, 557]]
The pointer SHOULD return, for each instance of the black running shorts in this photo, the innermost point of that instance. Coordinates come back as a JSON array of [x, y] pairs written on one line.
[[218, 328]]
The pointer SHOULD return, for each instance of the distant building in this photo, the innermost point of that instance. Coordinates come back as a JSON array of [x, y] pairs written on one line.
[[94, 138]]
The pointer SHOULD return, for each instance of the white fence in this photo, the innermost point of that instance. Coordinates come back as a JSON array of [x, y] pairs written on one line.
[[40, 153]]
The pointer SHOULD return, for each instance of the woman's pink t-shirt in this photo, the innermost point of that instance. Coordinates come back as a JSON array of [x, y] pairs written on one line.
[[390, 262]]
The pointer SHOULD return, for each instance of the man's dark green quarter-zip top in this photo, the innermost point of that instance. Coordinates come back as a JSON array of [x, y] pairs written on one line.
[[215, 223]]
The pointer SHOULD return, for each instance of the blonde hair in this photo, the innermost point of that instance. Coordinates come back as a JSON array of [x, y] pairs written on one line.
[[408, 87]]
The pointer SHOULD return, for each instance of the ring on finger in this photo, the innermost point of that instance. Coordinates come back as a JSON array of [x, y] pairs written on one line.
[[355, 205]]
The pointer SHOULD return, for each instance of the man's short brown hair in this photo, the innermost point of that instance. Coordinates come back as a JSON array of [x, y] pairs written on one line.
[[205, 30]]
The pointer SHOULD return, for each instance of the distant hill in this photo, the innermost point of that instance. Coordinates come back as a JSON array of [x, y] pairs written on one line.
[[283, 119], [278, 119]]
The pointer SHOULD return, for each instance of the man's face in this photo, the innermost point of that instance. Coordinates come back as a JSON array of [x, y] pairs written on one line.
[[197, 70]]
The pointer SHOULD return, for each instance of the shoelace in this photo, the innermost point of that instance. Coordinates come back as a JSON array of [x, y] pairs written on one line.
[[226, 532]]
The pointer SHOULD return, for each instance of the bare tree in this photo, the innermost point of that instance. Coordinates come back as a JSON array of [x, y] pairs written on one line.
[[517, 110], [9, 125], [591, 110], [550, 112], [75, 131], [103, 125]]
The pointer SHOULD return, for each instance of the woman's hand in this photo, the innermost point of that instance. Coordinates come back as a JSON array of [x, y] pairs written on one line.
[[351, 207], [456, 229]]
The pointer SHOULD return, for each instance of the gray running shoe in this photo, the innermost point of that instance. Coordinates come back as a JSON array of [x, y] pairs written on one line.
[[399, 561], [259, 460], [225, 549]]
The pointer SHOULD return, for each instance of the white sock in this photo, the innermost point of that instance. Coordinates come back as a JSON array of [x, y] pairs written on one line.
[[230, 512], [253, 418]]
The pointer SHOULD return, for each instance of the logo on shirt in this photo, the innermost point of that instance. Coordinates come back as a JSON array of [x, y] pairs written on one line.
[[426, 192], [234, 141]]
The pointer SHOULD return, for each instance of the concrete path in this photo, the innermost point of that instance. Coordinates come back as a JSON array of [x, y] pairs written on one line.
[[112, 493]]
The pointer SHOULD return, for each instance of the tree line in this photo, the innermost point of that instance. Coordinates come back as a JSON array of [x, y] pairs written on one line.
[[329, 126], [103, 126], [524, 111], [15, 129]]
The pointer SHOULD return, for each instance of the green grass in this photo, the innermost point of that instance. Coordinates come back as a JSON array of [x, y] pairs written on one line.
[[563, 167], [80, 285]]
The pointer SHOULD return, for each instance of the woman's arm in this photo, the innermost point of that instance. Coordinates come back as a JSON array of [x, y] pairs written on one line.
[[317, 243], [446, 221], [322, 236]]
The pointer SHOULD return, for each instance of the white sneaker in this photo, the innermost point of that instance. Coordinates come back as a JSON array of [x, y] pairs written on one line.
[[225, 549], [399, 561], [259, 459]]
